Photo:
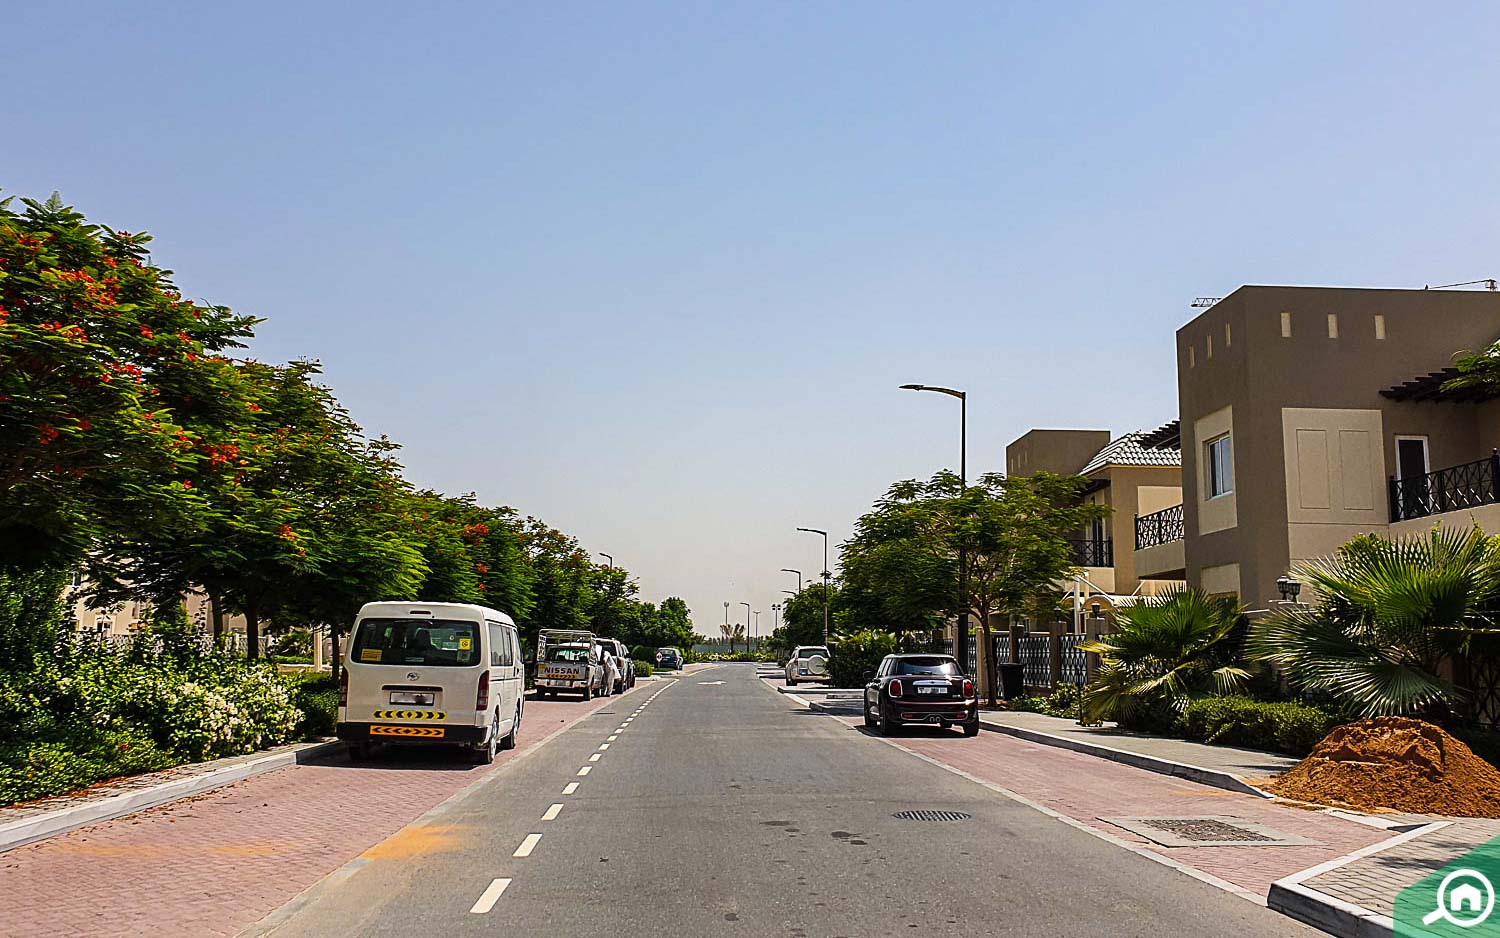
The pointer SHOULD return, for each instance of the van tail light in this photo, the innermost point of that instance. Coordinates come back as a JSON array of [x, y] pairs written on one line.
[[895, 688], [968, 688], [343, 687], [482, 699]]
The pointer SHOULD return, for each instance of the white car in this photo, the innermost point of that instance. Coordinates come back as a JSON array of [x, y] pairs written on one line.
[[808, 663]]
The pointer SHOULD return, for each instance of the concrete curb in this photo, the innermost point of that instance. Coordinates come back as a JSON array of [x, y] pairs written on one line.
[[42, 826], [1293, 899], [1193, 773]]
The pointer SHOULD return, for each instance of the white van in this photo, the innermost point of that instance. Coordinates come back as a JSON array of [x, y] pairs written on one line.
[[432, 673]]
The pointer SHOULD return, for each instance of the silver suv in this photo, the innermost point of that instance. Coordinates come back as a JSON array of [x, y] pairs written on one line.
[[808, 663]]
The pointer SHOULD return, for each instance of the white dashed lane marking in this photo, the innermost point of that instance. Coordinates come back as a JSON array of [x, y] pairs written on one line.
[[595, 757], [585, 770], [569, 788], [603, 747], [527, 845], [490, 896], [552, 813]]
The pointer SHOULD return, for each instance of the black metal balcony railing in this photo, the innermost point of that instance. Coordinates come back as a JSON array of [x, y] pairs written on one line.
[[1159, 527], [1457, 487], [1090, 552]]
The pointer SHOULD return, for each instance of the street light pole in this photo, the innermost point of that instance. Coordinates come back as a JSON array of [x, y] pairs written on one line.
[[799, 575], [748, 638], [747, 628], [825, 578], [961, 647], [609, 557]]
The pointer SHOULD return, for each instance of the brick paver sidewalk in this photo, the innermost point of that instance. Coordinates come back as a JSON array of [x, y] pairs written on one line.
[[1372, 882], [215, 863], [1085, 789]]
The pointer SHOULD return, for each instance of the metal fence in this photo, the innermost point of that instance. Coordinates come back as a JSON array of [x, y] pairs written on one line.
[[1036, 655], [1466, 486], [1074, 661], [1093, 552], [1159, 527]]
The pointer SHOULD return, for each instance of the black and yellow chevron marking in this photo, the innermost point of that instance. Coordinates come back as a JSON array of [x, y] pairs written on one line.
[[429, 732], [410, 715]]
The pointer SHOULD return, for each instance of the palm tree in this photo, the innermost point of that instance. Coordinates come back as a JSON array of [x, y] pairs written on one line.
[[1388, 614], [1169, 651]]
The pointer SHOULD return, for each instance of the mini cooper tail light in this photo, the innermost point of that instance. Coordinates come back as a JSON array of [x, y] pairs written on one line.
[[895, 688], [968, 688], [343, 687], [482, 699]]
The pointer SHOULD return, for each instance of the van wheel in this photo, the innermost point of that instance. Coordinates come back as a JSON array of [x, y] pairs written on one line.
[[509, 741], [359, 751], [484, 753]]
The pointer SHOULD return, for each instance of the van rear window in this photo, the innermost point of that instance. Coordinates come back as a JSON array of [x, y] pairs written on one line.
[[429, 642]]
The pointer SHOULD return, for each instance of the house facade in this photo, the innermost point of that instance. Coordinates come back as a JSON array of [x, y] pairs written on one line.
[[1309, 415]]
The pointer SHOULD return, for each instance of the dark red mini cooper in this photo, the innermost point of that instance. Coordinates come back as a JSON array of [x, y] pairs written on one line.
[[926, 689]]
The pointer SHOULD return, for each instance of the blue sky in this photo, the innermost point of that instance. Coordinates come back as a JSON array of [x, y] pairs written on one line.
[[653, 272]]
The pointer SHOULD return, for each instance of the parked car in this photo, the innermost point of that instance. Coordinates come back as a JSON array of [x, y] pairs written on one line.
[[431, 673], [807, 663], [926, 689], [611, 665], [669, 659], [568, 660], [625, 679]]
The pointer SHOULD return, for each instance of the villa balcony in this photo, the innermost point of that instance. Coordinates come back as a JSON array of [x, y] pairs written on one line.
[[1159, 545]]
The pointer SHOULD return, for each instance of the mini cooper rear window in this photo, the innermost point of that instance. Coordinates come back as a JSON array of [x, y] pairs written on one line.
[[428, 642], [937, 666]]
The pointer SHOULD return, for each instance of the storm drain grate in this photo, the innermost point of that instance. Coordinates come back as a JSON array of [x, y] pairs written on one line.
[[931, 816], [1201, 829], [1207, 831]]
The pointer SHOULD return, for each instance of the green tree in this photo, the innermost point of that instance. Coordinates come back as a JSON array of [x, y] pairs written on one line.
[[1387, 615], [294, 500], [1010, 531], [1170, 651], [103, 368]]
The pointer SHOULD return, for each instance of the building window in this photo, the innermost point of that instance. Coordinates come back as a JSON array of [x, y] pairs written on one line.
[[1192, 357], [1286, 325], [1228, 338], [1333, 325], [1379, 326], [1210, 344], [1219, 454]]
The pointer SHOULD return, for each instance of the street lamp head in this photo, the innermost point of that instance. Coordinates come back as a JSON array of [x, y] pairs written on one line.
[[913, 387], [814, 531]]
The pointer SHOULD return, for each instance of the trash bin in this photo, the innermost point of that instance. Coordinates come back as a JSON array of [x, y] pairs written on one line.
[[1012, 679]]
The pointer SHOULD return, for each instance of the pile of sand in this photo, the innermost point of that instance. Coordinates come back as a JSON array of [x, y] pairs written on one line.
[[1396, 764]]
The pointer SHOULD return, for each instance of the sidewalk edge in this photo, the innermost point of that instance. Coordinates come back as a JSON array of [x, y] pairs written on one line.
[[1292, 898], [1193, 773], [43, 826]]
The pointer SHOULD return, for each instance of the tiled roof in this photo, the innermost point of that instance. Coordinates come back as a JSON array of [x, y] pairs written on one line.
[[1129, 451]]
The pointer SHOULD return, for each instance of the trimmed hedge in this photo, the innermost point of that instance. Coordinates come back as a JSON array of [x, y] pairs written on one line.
[[1284, 726], [642, 669]]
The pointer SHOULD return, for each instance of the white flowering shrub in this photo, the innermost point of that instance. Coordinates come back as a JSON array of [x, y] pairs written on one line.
[[90, 713]]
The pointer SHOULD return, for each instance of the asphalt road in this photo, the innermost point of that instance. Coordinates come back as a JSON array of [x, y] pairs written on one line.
[[724, 809]]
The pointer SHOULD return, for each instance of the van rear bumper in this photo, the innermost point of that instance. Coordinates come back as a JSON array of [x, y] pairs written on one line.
[[355, 732]]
